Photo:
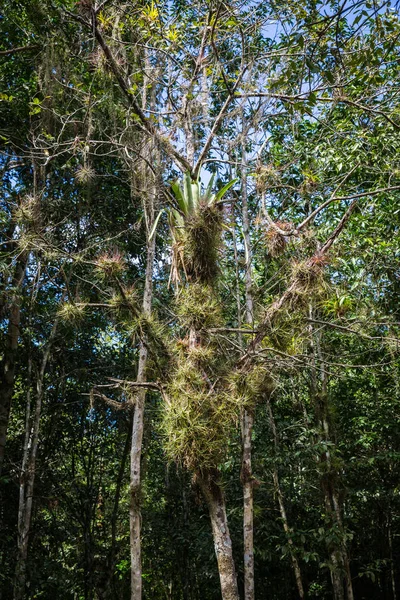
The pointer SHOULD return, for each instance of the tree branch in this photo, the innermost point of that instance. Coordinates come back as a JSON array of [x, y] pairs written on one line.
[[19, 49]]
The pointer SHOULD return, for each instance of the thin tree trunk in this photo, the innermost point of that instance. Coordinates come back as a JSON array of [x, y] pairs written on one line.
[[7, 364], [138, 416], [390, 543], [247, 414], [282, 509], [28, 471], [208, 482], [248, 504], [138, 424], [340, 573]]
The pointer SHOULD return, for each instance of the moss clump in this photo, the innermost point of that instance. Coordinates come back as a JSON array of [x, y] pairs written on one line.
[[197, 307]]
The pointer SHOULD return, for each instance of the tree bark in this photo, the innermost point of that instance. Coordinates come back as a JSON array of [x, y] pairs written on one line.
[[247, 414], [208, 482], [138, 423], [7, 364], [282, 509]]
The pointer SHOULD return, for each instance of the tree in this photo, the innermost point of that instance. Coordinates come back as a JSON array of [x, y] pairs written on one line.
[[245, 331]]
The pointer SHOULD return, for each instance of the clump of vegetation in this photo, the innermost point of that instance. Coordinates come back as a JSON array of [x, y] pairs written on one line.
[[201, 243], [110, 265], [197, 307], [253, 385], [126, 298], [195, 227], [276, 242], [197, 419], [26, 212], [308, 275], [338, 305], [72, 312], [266, 175], [85, 174]]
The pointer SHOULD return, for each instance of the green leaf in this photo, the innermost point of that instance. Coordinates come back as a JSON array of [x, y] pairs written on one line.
[[187, 192], [177, 192], [153, 229], [208, 195], [221, 193]]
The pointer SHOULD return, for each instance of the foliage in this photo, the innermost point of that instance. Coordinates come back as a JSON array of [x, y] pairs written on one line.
[[296, 106]]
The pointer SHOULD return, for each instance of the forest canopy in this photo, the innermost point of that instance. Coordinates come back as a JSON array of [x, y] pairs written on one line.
[[199, 300]]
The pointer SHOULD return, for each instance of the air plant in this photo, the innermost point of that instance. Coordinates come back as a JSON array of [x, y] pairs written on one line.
[[195, 224], [85, 174], [110, 264], [72, 312]]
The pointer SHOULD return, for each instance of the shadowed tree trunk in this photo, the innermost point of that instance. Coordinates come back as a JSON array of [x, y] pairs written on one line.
[[28, 470], [7, 364], [138, 419], [247, 417], [208, 482]]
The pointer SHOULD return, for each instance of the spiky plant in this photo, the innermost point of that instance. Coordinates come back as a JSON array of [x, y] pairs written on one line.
[[198, 418], [110, 264], [199, 414], [275, 241], [85, 174], [195, 225], [252, 386], [72, 312], [26, 212]]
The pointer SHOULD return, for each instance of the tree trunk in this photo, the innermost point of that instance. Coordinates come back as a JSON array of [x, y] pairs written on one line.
[[247, 416], [138, 422], [28, 471], [7, 364], [282, 509], [208, 482], [248, 504]]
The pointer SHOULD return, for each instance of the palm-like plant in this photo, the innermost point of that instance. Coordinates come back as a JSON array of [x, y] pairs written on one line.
[[195, 223]]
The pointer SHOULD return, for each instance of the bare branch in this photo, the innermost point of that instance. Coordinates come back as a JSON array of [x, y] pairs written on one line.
[[19, 49]]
